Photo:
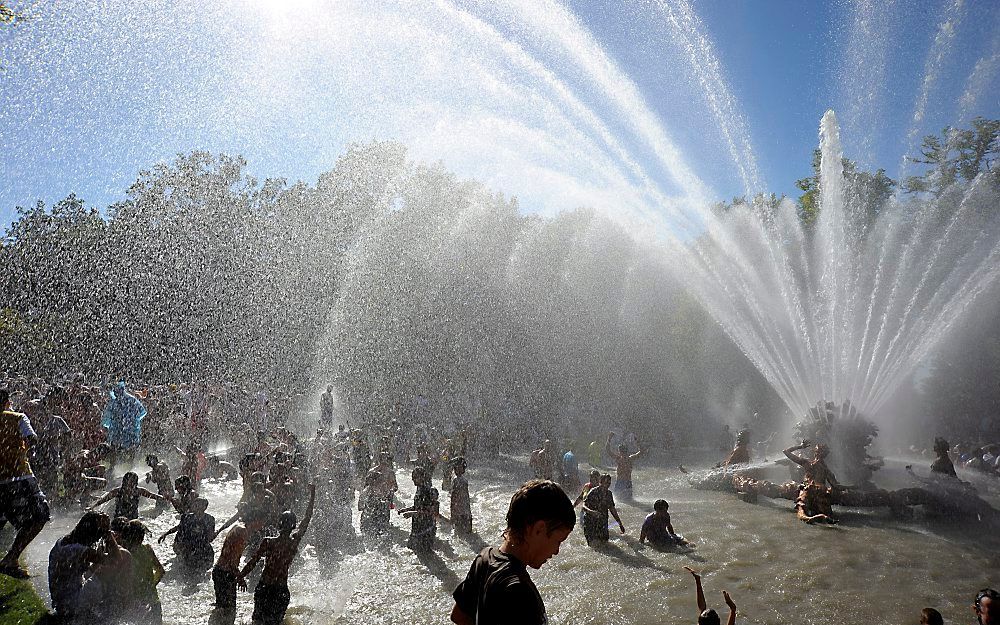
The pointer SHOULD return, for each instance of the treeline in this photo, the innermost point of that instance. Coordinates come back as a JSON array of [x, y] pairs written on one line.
[[415, 293]]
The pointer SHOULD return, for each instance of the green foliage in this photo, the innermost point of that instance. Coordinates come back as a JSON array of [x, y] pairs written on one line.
[[389, 279], [957, 154], [21, 604], [869, 191]]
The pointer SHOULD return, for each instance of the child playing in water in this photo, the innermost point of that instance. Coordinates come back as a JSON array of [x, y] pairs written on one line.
[[461, 508], [271, 596], [498, 589], [708, 616], [227, 569], [127, 496], [159, 474], [599, 503], [194, 537], [147, 572], [186, 495], [423, 513], [657, 528]]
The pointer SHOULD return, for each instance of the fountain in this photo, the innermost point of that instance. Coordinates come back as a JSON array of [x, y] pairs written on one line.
[[425, 296]]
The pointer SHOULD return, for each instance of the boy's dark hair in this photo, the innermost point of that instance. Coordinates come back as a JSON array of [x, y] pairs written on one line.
[[660, 504], [133, 533], [709, 617], [986, 593], [539, 500], [90, 527], [4, 397], [930, 616]]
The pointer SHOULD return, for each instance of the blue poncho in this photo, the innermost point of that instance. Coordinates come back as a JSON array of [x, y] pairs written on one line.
[[123, 418]]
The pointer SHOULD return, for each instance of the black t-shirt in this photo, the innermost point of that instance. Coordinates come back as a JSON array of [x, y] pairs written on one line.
[[498, 591]]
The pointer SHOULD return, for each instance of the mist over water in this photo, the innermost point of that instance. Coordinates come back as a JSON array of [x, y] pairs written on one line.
[[503, 231]]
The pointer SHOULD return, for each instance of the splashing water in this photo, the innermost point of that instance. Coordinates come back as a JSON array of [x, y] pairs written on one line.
[[847, 308]]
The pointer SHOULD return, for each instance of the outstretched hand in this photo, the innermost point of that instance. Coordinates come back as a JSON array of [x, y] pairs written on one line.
[[691, 571], [729, 600], [241, 583]]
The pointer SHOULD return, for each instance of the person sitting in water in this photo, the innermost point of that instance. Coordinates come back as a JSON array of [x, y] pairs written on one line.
[[740, 453], [623, 467], [706, 615], [218, 469], [657, 528], [271, 596], [498, 589], [987, 607], [599, 503], [127, 496], [147, 573], [942, 465], [227, 568], [813, 503], [424, 512], [194, 537]]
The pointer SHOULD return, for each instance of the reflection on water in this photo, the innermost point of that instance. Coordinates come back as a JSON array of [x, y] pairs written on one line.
[[868, 569]]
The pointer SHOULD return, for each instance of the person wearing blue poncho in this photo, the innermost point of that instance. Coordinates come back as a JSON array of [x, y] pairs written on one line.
[[123, 419]]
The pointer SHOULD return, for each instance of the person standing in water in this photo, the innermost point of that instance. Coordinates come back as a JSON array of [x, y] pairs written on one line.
[[498, 589], [942, 465], [599, 503], [623, 467], [461, 504], [326, 408], [127, 496], [271, 595]]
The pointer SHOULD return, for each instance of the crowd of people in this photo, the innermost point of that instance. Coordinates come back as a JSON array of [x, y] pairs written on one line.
[[60, 443]]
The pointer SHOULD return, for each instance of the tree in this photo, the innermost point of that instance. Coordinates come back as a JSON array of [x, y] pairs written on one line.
[[868, 191], [957, 154]]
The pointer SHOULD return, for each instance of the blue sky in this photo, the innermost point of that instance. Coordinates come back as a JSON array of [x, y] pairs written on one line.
[[641, 109]]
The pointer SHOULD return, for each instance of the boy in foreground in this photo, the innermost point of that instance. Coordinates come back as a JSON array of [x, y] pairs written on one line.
[[498, 589], [271, 596]]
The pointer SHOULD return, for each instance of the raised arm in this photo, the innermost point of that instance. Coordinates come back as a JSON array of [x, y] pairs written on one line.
[[701, 593], [231, 520], [795, 457], [732, 608]]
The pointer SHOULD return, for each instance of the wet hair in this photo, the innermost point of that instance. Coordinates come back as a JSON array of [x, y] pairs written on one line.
[[930, 616], [133, 533], [539, 500], [985, 593], [91, 527], [709, 617], [4, 397], [941, 446], [660, 504], [287, 521], [152, 460], [183, 482], [459, 461], [605, 476], [419, 473], [131, 476], [118, 524], [200, 505], [595, 473]]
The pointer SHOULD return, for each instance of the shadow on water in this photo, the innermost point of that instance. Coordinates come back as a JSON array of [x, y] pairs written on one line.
[[627, 552], [474, 541], [439, 569], [222, 616]]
